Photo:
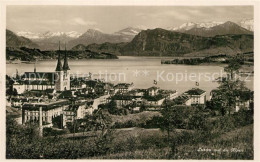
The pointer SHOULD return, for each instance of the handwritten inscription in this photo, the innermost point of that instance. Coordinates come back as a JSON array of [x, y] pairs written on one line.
[[220, 150]]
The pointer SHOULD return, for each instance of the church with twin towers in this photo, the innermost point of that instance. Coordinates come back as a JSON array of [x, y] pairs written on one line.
[[62, 80], [58, 80]]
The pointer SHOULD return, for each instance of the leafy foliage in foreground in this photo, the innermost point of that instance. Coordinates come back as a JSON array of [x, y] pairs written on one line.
[[234, 131]]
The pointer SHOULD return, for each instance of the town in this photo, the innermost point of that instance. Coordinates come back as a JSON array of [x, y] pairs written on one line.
[[58, 104], [129, 82], [55, 95]]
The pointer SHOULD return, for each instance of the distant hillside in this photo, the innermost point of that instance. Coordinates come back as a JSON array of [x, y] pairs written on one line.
[[12, 40], [27, 54], [113, 48], [222, 29], [160, 42]]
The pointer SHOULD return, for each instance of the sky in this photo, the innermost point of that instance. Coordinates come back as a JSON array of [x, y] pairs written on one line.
[[110, 19]]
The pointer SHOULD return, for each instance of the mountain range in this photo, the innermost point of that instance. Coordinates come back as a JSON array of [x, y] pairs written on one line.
[[212, 29], [49, 40], [190, 38], [246, 23], [98, 37]]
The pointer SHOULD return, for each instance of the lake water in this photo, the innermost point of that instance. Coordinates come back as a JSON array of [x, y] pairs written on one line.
[[142, 71]]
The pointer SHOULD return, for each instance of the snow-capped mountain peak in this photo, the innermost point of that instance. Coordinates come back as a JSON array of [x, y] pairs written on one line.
[[29, 35], [190, 25], [48, 34], [247, 24], [131, 31]]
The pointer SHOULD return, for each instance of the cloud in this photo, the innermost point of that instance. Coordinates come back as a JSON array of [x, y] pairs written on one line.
[[80, 21]]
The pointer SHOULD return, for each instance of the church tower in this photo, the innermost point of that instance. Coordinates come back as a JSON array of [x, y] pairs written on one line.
[[59, 74], [66, 70]]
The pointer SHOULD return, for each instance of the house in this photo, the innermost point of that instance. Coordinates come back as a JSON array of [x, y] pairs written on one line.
[[197, 96], [153, 100], [123, 87], [121, 100], [137, 92], [74, 112], [243, 99], [153, 91], [89, 108]]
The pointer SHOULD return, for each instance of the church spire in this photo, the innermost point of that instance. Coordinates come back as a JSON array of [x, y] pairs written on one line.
[[66, 65], [59, 65]]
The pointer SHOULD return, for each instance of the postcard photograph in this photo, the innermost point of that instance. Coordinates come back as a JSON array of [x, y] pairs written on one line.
[[129, 82]]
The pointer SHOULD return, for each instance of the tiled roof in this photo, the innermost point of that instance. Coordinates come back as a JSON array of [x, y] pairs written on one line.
[[153, 98], [153, 88], [37, 82], [50, 76], [45, 106], [123, 85], [195, 91]]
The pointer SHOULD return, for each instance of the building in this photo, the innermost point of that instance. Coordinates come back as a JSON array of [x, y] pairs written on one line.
[[243, 99], [154, 102], [153, 91], [197, 96], [74, 112], [58, 80], [50, 110], [123, 87], [125, 99], [35, 81]]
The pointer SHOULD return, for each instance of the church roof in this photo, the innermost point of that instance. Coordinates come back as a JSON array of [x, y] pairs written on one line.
[[66, 65], [59, 64], [42, 78]]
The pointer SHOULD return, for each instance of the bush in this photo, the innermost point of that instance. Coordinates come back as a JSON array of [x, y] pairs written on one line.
[[53, 132]]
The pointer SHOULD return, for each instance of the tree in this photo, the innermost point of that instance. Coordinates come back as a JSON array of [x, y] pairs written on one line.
[[102, 123], [229, 86], [171, 118]]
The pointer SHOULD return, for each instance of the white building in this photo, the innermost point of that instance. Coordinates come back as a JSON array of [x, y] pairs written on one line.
[[123, 87], [197, 96]]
